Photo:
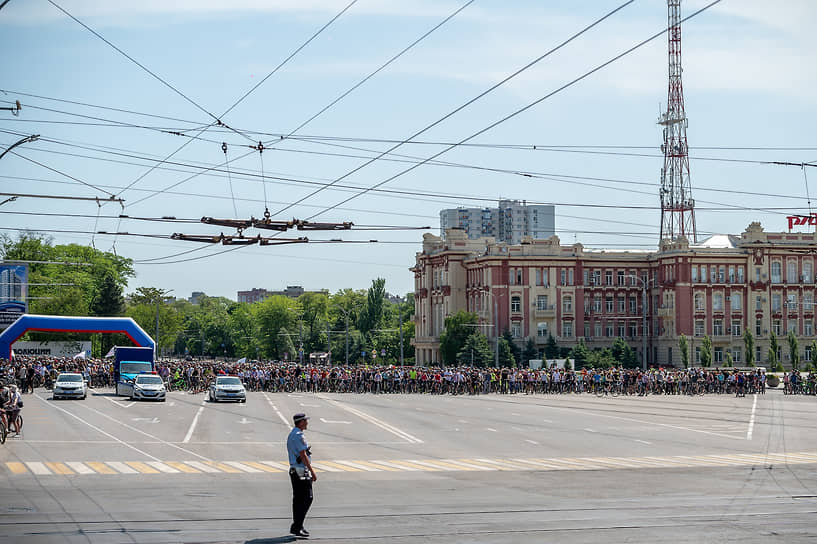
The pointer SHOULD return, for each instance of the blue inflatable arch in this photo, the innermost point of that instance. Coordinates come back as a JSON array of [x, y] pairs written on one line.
[[53, 323]]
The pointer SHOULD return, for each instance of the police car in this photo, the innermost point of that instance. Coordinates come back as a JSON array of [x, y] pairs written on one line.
[[227, 388], [69, 385], [148, 385]]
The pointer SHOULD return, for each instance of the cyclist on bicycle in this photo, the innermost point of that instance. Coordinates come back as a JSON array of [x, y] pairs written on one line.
[[11, 409]]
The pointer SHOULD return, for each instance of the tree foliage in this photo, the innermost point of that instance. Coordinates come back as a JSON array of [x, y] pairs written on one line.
[[683, 345], [706, 352], [455, 334]]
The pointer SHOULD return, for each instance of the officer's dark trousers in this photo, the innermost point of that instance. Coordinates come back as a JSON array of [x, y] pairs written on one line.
[[301, 499]]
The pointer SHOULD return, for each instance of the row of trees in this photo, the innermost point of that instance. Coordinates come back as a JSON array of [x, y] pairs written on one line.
[[92, 283], [772, 355]]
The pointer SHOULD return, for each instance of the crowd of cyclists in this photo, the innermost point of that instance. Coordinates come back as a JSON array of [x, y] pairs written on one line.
[[194, 376]]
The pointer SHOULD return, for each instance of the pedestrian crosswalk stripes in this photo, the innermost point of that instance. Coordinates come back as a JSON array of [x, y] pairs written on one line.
[[85, 468]]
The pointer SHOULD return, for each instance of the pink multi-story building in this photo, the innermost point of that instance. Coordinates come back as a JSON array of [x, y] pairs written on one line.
[[720, 287]]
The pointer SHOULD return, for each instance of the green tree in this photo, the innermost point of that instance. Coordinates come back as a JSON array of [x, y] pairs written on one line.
[[706, 351], [730, 361], [372, 314], [813, 358], [749, 347], [530, 352], [683, 345], [455, 333], [794, 350], [506, 353], [276, 317], [774, 351], [516, 351], [551, 348], [476, 351], [622, 354], [580, 354]]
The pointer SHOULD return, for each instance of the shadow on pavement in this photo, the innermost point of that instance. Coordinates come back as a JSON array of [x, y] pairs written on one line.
[[274, 540]]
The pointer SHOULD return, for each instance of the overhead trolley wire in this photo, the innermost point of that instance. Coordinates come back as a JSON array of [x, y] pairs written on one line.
[[460, 108], [375, 72], [525, 108]]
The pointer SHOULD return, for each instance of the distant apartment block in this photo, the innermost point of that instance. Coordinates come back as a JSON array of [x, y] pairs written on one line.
[[509, 223], [258, 294], [195, 296]]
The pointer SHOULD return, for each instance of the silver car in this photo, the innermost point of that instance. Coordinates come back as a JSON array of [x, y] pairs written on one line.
[[148, 386], [227, 388], [69, 385]]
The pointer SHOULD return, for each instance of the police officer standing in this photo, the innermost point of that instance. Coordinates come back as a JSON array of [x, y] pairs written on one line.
[[300, 473]]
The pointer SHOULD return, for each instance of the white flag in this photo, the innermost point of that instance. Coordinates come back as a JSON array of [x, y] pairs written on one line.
[[110, 353]]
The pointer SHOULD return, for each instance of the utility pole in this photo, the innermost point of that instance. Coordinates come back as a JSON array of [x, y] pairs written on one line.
[[400, 313]]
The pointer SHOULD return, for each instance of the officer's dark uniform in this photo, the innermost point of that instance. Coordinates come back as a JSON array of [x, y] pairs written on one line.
[[301, 481]]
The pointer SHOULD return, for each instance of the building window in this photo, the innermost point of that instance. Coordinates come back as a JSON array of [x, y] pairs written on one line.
[[717, 327], [695, 274], [542, 302], [633, 305], [622, 303], [515, 330], [737, 355], [633, 330], [757, 274], [808, 302], [567, 329], [608, 330], [699, 327], [597, 304], [776, 272], [516, 304], [741, 278], [518, 276], [736, 327], [608, 277], [807, 354], [718, 356], [736, 301], [609, 304], [776, 302], [758, 327], [699, 302], [758, 303], [721, 274], [621, 329], [562, 277], [620, 277], [808, 273], [731, 274], [791, 271], [570, 276], [791, 326], [713, 274], [567, 304], [717, 302], [597, 329], [697, 355], [776, 327], [542, 330], [596, 277], [703, 273], [808, 327]]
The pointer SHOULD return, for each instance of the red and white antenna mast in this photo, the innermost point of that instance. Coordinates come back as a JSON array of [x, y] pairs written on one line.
[[677, 205]]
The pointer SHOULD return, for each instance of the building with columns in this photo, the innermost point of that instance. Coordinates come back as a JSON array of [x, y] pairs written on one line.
[[760, 281]]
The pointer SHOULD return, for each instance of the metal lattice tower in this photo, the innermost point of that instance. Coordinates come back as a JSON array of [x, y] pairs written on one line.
[[677, 205]]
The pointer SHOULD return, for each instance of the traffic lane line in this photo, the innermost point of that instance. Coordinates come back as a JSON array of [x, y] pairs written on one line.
[[91, 425]]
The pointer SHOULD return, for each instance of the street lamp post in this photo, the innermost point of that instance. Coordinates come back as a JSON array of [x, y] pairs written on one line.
[[161, 294], [643, 319]]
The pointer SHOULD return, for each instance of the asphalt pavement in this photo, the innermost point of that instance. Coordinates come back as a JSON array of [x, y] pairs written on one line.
[[414, 468]]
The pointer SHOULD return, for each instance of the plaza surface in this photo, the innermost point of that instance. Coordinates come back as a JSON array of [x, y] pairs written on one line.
[[415, 468]]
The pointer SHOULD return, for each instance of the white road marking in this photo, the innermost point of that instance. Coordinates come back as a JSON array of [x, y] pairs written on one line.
[[277, 411], [121, 468], [752, 419], [534, 442], [359, 466], [80, 468], [94, 427], [644, 442], [244, 421], [243, 467], [490, 429], [38, 468], [148, 419], [335, 421], [591, 431], [201, 466], [163, 467], [193, 425], [310, 405], [374, 421]]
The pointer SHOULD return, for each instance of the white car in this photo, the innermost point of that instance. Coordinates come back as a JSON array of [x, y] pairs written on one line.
[[145, 386], [227, 388], [70, 385]]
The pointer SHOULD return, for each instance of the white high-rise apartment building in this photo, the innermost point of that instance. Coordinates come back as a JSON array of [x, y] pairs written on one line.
[[508, 223]]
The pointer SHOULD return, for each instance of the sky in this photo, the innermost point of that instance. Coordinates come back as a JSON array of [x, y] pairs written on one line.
[[126, 109]]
